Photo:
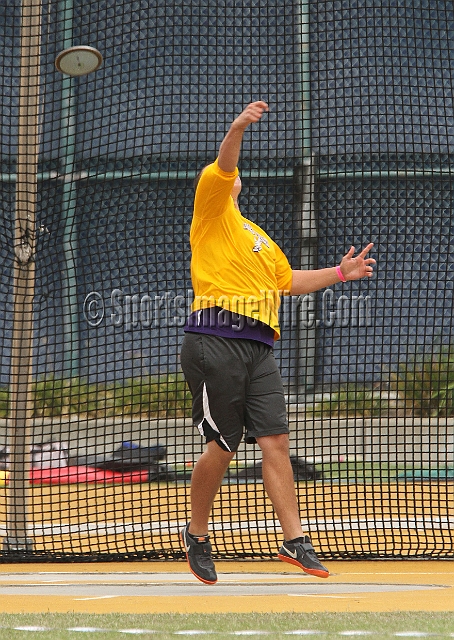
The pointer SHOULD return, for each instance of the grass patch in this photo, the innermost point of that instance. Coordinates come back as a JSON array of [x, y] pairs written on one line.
[[359, 472], [222, 626]]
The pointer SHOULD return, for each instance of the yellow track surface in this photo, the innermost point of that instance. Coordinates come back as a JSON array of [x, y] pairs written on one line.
[[353, 586]]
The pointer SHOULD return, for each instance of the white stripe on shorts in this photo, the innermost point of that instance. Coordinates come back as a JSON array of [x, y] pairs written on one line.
[[208, 418]]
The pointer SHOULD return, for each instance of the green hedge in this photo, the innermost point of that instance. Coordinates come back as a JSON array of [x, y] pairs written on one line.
[[160, 396]]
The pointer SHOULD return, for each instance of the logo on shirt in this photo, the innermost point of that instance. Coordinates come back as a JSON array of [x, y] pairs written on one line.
[[258, 239]]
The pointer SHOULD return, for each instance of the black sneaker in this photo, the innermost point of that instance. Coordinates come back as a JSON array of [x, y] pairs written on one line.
[[302, 554], [198, 554]]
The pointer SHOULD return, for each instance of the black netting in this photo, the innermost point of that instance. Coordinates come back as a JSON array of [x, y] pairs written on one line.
[[95, 416]]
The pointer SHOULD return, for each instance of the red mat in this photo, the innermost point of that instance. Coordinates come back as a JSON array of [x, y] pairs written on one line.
[[72, 475]]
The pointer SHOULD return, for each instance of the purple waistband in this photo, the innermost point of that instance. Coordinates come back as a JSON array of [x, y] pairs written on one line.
[[216, 321]]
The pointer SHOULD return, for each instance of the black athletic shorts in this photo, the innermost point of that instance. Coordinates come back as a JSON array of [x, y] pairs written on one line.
[[236, 388]]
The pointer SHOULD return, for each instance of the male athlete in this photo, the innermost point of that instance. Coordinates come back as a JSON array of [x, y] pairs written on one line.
[[238, 274]]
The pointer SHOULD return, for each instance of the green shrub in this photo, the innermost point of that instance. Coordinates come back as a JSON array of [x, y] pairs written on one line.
[[425, 382], [53, 397], [4, 401], [159, 396], [366, 403]]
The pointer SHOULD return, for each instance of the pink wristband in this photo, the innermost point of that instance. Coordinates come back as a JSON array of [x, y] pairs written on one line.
[[340, 274]]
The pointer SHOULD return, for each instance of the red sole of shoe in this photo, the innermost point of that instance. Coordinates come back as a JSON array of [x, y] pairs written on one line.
[[312, 572], [198, 577]]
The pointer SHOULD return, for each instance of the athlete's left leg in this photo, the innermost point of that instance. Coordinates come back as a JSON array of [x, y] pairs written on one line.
[[279, 483]]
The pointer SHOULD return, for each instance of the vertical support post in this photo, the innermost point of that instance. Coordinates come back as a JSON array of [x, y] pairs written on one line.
[[306, 78], [308, 227], [307, 326], [24, 279], [68, 139]]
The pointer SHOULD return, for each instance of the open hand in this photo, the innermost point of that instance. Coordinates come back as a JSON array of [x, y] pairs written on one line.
[[359, 267]]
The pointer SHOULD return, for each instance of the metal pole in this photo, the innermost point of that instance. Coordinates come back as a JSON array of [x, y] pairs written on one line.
[[69, 196], [24, 279], [305, 79], [306, 334]]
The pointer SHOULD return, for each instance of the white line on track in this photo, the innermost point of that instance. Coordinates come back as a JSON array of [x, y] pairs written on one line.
[[251, 632], [257, 526], [96, 598], [88, 630], [324, 595], [136, 632]]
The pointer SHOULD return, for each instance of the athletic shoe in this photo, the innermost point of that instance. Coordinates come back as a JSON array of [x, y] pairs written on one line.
[[302, 554], [198, 554]]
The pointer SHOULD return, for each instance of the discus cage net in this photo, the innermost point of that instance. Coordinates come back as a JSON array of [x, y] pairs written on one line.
[[97, 443]]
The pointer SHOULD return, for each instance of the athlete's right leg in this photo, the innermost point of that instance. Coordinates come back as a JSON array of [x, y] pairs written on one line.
[[207, 476], [206, 480], [217, 377]]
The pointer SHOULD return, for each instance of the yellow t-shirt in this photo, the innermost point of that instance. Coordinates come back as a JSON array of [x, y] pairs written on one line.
[[235, 264]]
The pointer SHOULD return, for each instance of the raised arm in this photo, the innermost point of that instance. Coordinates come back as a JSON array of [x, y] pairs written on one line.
[[229, 151], [350, 269]]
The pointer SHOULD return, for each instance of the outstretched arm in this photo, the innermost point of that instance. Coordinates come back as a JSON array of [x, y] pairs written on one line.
[[229, 151], [351, 269]]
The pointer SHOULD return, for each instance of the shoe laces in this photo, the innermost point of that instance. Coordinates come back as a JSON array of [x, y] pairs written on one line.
[[204, 555]]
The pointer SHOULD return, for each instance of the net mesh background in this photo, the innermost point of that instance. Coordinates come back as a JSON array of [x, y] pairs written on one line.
[[357, 147]]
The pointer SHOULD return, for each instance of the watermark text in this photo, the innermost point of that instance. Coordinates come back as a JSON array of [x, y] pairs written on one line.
[[323, 310]]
